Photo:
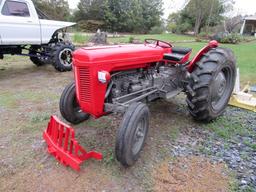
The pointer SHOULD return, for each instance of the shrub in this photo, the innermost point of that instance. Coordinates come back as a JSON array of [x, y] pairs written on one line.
[[225, 37], [184, 27], [131, 39], [232, 38], [156, 30], [90, 25]]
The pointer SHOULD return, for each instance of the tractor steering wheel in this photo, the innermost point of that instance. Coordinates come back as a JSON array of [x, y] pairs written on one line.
[[159, 43]]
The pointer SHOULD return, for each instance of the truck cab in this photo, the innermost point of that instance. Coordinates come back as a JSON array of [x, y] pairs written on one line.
[[21, 15], [24, 27]]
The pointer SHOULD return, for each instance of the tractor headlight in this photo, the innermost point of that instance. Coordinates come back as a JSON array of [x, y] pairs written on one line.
[[104, 76]]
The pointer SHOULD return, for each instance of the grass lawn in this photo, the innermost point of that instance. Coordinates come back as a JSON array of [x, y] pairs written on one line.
[[164, 37]]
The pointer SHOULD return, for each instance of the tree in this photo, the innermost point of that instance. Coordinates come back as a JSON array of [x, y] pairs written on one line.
[[121, 15], [55, 9], [232, 23], [204, 13], [198, 14]]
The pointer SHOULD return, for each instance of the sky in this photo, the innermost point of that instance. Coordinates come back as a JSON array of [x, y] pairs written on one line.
[[244, 7]]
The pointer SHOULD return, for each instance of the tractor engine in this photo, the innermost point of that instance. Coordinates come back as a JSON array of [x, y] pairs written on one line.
[[163, 78]]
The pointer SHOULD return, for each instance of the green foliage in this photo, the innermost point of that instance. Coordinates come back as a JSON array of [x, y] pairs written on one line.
[[183, 27], [89, 25], [156, 30], [131, 39], [55, 9], [121, 15], [196, 15], [80, 38], [232, 38], [227, 128]]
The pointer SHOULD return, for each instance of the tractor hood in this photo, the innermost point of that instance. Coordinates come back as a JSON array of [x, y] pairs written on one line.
[[118, 56], [49, 27]]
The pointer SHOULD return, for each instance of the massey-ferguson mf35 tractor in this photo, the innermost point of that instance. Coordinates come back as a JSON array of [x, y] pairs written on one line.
[[124, 78]]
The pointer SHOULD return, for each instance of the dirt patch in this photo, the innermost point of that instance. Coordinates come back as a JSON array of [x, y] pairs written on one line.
[[60, 179], [191, 174]]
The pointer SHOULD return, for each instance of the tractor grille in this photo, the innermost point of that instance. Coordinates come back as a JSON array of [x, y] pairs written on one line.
[[85, 85]]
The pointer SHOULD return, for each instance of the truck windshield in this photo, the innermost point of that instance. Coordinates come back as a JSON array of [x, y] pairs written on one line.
[[40, 14]]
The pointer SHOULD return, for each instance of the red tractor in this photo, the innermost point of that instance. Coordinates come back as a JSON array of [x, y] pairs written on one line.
[[123, 78]]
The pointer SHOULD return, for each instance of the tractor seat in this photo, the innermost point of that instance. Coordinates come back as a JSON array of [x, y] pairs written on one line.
[[178, 53]]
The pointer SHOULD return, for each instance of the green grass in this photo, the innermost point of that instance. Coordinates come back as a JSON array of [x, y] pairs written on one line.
[[81, 38], [227, 127], [164, 37]]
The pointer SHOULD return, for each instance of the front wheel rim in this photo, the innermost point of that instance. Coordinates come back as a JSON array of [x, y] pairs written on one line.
[[65, 57], [222, 87], [139, 136]]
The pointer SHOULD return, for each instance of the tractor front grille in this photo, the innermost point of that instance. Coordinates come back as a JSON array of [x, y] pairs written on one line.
[[85, 85]]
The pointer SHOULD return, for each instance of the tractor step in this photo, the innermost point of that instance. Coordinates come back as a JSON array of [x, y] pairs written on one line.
[[60, 139]]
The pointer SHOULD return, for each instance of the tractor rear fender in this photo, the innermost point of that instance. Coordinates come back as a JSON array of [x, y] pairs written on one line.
[[204, 50]]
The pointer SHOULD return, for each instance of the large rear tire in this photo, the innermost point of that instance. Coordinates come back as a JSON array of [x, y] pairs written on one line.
[[132, 134], [211, 84], [69, 107]]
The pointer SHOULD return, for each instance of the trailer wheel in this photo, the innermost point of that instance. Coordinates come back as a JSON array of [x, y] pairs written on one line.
[[62, 57], [212, 84], [38, 61], [132, 134], [69, 107]]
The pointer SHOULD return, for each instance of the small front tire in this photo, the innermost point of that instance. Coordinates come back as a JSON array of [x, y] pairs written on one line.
[[36, 59], [132, 134], [69, 107]]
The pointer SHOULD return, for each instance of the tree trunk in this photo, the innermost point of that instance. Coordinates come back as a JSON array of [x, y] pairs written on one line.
[[198, 22]]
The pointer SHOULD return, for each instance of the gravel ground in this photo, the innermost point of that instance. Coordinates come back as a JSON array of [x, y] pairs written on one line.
[[237, 150]]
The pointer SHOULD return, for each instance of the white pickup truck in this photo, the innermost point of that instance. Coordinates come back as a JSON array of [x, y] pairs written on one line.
[[23, 28]]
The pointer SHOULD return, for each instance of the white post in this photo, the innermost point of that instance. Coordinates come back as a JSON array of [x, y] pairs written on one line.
[[242, 28], [237, 85]]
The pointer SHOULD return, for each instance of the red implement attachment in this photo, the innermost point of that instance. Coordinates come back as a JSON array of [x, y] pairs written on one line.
[[61, 142]]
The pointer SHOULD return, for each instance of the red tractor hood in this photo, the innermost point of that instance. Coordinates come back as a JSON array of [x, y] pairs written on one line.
[[88, 62], [119, 56]]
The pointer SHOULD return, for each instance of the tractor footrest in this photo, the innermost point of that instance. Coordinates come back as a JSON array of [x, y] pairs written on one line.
[[60, 139]]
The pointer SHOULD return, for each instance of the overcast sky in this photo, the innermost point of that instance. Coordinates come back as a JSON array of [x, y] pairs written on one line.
[[241, 6]]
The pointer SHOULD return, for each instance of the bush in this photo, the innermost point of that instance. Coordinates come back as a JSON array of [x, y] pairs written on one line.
[[90, 25], [131, 39], [225, 37], [156, 30], [184, 27], [203, 35], [232, 38], [172, 27]]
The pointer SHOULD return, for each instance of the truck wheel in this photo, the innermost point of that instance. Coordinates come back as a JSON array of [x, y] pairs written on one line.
[[38, 61], [69, 107], [212, 84], [62, 57], [132, 134]]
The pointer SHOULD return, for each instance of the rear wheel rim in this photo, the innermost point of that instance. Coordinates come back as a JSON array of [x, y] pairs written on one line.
[[222, 87], [65, 57], [139, 136]]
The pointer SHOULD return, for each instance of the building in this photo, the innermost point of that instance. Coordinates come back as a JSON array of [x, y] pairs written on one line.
[[249, 26]]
